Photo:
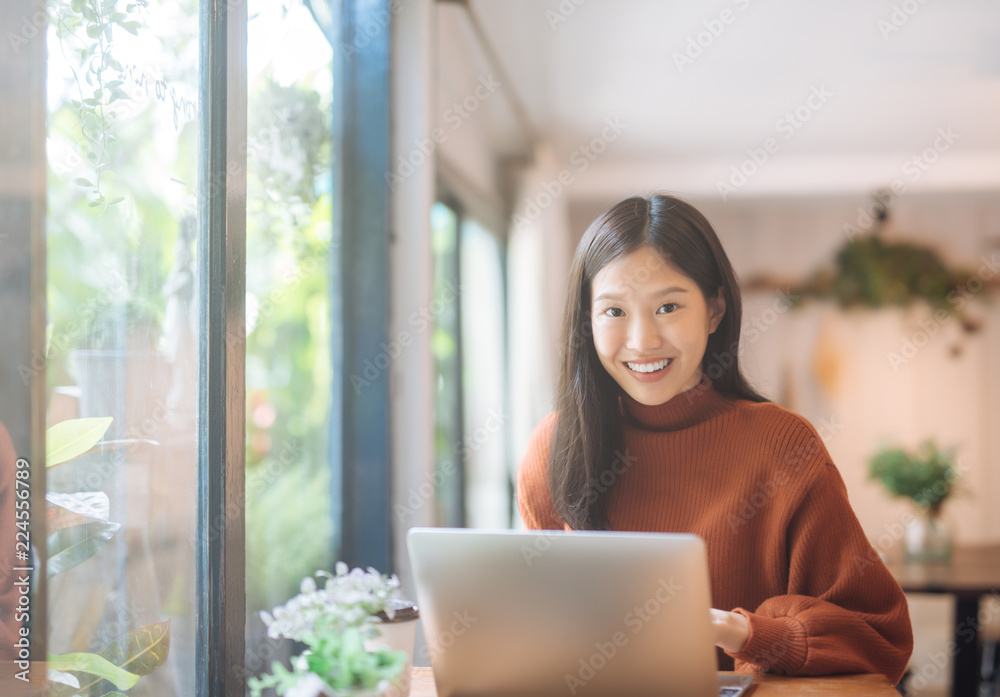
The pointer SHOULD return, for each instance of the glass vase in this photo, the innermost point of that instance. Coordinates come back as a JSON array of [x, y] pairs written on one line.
[[927, 538]]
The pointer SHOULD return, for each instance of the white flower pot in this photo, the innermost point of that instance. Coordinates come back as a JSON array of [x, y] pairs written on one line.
[[398, 635]]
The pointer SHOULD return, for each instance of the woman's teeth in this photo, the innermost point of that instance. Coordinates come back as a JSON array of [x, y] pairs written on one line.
[[649, 367]]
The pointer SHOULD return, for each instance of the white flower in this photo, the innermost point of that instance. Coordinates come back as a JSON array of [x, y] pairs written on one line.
[[349, 598], [311, 685]]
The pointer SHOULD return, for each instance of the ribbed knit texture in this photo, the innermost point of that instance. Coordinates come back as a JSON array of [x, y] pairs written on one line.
[[784, 547]]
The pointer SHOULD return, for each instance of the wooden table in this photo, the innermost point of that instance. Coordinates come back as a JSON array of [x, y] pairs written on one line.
[[971, 573], [765, 685]]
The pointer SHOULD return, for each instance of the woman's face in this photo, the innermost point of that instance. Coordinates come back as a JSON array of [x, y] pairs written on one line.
[[651, 325]]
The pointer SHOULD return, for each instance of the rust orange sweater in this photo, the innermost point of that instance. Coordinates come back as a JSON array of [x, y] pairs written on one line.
[[784, 547]]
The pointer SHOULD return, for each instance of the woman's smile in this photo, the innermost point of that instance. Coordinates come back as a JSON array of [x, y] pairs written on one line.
[[649, 371]]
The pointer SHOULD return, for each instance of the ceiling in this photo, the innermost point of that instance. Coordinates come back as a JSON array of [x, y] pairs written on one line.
[[891, 83]]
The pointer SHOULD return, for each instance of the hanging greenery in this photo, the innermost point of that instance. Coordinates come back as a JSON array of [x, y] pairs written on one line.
[[871, 272]]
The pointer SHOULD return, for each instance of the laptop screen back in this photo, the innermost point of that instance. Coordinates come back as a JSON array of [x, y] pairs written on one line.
[[583, 614]]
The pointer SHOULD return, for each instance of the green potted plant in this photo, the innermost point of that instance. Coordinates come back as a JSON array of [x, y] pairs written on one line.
[[927, 477], [358, 630]]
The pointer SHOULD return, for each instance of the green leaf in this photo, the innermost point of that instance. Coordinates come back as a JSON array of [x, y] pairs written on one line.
[[73, 437], [117, 199], [93, 30], [82, 182], [142, 650], [76, 544], [94, 665]]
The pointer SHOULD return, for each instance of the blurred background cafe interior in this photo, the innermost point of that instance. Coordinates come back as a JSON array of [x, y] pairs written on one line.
[[282, 279]]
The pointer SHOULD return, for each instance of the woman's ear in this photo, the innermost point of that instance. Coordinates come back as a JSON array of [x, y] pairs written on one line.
[[716, 311]]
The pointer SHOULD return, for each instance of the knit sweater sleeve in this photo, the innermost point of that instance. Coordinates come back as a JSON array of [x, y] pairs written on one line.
[[843, 613], [533, 497]]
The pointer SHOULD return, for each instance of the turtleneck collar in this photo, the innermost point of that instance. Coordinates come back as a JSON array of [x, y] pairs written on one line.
[[683, 411]]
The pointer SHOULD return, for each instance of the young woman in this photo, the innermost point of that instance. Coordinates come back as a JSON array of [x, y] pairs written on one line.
[[656, 429]]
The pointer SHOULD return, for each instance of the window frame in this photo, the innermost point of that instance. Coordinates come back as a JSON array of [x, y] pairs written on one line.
[[360, 454], [221, 554], [23, 273]]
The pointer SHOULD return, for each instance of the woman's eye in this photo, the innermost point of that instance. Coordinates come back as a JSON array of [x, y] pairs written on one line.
[[667, 308], [614, 312]]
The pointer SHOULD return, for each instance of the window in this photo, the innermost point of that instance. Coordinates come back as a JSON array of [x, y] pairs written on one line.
[[127, 118], [123, 348], [289, 523], [489, 487], [475, 486], [446, 348]]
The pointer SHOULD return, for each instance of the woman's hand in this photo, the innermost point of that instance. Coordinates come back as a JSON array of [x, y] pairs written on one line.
[[731, 630]]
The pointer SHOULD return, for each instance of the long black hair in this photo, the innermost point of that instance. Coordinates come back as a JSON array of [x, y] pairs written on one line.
[[589, 433]]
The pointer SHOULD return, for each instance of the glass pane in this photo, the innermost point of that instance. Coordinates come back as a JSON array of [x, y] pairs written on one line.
[[487, 481], [444, 309], [289, 527], [122, 363]]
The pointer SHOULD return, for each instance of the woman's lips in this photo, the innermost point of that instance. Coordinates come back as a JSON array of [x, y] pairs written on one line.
[[657, 373]]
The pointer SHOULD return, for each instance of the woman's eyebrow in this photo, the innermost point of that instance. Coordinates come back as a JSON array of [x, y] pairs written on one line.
[[618, 296]]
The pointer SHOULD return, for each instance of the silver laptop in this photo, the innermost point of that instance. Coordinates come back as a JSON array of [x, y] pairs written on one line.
[[580, 614]]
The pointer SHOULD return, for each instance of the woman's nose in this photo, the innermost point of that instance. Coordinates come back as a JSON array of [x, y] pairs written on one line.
[[643, 335]]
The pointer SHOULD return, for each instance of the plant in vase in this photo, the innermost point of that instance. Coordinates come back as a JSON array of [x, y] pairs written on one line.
[[344, 625], [927, 477]]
